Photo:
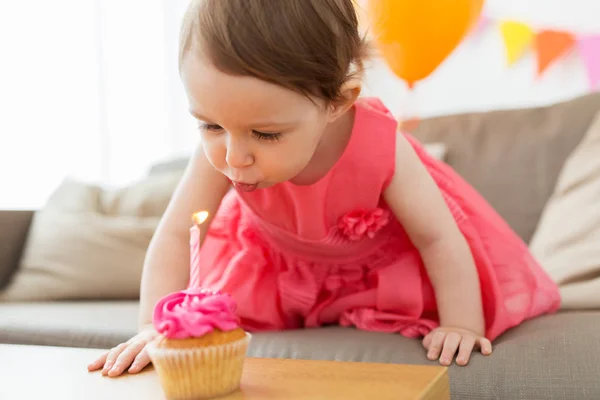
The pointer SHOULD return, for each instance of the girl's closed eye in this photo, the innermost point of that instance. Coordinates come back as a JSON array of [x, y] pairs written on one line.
[[210, 127], [266, 136], [272, 136]]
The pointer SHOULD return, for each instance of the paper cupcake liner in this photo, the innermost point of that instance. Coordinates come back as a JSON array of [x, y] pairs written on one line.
[[202, 372]]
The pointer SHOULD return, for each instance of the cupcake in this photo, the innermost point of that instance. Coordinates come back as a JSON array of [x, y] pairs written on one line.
[[201, 348]]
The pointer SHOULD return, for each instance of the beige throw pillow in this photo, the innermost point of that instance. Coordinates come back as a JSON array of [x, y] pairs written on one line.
[[89, 242], [567, 240]]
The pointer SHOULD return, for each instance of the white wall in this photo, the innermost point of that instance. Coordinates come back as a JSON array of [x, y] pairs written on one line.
[[475, 76]]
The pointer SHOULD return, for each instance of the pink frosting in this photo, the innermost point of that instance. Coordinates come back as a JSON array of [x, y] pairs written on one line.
[[193, 313]]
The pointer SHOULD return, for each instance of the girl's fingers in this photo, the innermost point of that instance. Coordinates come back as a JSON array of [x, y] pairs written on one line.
[[126, 358], [98, 363], [450, 346], [427, 340], [112, 357], [140, 362], [467, 345], [486, 346], [435, 347]]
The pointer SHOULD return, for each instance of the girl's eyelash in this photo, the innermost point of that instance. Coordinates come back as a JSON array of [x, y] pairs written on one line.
[[210, 127], [257, 134], [267, 136]]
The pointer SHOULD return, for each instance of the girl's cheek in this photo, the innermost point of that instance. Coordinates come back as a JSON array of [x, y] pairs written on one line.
[[214, 153]]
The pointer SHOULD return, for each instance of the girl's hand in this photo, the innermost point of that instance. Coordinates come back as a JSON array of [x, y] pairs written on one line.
[[131, 354], [445, 342]]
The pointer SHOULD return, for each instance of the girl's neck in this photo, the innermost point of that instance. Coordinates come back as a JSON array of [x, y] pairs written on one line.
[[330, 149]]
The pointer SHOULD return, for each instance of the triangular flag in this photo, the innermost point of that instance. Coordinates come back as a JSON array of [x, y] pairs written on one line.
[[517, 38], [589, 48], [550, 45]]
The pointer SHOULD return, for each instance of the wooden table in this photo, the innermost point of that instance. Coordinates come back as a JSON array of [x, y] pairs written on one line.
[[33, 372]]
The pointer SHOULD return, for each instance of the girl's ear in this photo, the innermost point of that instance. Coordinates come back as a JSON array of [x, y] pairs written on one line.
[[349, 93]]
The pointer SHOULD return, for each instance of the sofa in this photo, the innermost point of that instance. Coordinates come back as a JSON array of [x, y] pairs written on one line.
[[513, 157]]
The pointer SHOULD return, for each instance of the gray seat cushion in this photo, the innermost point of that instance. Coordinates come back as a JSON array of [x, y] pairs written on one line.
[[68, 324], [552, 357]]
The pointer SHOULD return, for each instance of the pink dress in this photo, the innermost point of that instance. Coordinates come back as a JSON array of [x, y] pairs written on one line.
[[332, 253]]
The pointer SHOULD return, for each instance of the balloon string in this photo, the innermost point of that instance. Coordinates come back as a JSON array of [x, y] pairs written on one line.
[[409, 114]]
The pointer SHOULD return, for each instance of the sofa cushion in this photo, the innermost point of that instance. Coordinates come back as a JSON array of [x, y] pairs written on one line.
[[552, 357], [513, 157], [68, 324], [14, 226], [567, 240], [90, 242]]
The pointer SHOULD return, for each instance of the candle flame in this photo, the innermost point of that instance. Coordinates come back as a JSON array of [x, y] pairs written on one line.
[[200, 217]]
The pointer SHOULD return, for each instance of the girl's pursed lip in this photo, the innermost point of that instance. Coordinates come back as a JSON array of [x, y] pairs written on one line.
[[243, 183], [245, 187]]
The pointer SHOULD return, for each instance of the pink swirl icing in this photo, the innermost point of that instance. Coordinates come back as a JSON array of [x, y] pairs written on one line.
[[193, 313]]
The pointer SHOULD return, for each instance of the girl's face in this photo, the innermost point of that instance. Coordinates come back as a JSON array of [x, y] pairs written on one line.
[[256, 133]]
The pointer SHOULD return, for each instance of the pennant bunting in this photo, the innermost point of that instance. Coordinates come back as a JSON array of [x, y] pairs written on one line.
[[550, 45], [518, 37], [589, 48]]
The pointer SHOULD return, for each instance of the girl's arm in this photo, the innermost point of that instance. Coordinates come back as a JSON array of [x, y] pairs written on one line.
[[418, 204], [166, 268]]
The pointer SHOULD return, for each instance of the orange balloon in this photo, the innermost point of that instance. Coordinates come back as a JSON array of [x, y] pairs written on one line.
[[416, 36]]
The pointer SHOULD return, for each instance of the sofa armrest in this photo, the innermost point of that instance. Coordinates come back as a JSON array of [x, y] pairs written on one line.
[[14, 226]]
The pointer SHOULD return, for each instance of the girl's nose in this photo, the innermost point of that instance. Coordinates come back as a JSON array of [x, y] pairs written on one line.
[[238, 155]]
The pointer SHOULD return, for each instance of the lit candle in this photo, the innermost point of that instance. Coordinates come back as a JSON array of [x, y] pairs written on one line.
[[198, 219]]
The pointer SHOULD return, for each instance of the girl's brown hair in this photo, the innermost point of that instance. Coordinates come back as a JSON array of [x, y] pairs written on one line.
[[310, 46]]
